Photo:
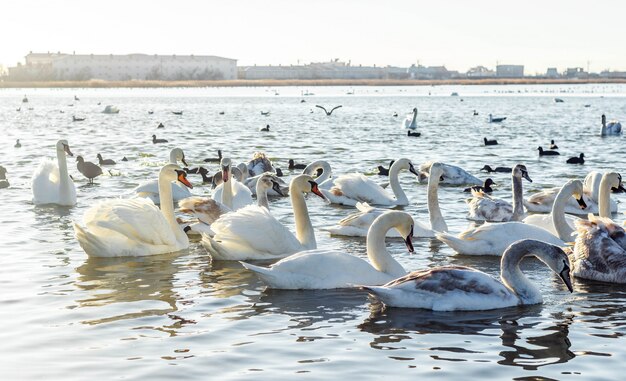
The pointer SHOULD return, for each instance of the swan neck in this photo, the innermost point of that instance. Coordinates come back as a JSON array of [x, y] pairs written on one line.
[[558, 214], [173, 158], [437, 222], [513, 278], [518, 200], [414, 120], [167, 208], [396, 188], [261, 195], [326, 172], [64, 178], [604, 198], [227, 193], [304, 229], [377, 252]]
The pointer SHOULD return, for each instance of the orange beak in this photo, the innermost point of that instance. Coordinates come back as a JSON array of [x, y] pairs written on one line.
[[182, 177], [315, 189]]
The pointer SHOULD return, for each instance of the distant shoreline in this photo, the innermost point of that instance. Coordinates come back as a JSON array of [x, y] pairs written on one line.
[[301, 82]]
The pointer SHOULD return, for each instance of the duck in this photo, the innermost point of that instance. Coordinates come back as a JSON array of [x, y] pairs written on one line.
[[88, 169], [215, 159], [496, 120], [77, 119], [25, 99], [355, 187], [18, 144], [496, 169], [395, 115], [328, 113], [411, 121], [460, 288], [557, 216], [206, 179], [124, 158], [492, 142], [207, 210], [265, 129], [150, 112], [4, 183], [612, 128], [330, 269], [51, 183], [157, 141], [259, 164], [232, 192], [253, 233], [160, 125], [358, 224], [541, 202], [102, 161], [293, 165], [151, 188], [475, 113], [134, 227], [221, 113], [597, 253], [485, 188], [553, 145], [177, 112], [543, 152], [76, 98], [485, 208], [576, 160], [452, 175], [382, 171], [414, 134]]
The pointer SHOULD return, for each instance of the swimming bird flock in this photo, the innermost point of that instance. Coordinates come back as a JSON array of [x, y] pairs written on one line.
[[231, 226]]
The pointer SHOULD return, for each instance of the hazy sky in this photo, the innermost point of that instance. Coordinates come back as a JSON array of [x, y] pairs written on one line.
[[456, 33]]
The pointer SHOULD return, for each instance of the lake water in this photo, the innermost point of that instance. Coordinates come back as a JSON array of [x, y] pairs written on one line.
[[66, 316]]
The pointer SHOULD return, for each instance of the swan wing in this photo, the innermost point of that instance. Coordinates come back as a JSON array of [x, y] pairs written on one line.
[[544, 221], [253, 229], [204, 209], [137, 219], [358, 187], [448, 288], [485, 208], [319, 269], [179, 191]]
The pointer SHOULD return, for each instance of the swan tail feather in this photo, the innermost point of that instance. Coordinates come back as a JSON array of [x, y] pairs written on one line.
[[456, 243]]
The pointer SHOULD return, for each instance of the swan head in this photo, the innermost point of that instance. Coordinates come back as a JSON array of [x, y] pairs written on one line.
[[315, 167], [403, 163], [403, 223], [553, 256], [63, 146], [520, 171], [225, 163], [576, 187], [172, 172], [268, 181], [436, 171], [243, 168], [176, 155], [305, 184], [614, 179]]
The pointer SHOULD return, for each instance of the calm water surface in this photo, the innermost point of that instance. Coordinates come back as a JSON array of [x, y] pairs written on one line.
[[66, 316]]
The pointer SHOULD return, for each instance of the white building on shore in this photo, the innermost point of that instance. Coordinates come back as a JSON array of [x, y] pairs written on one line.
[[112, 67]]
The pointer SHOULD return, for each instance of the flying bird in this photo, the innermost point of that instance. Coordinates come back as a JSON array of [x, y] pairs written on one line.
[[328, 113]]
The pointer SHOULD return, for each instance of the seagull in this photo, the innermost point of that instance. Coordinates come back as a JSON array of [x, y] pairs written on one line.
[[328, 113]]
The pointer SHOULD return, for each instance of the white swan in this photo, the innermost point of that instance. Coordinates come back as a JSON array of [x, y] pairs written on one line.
[[134, 227], [207, 210], [358, 224], [609, 181], [460, 288], [411, 120], [326, 269], [612, 128], [231, 192], [546, 221], [486, 208], [597, 255], [452, 175], [541, 202], [355, 187], [51, 184], [150, 188], [324, 180], [253, 233]]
